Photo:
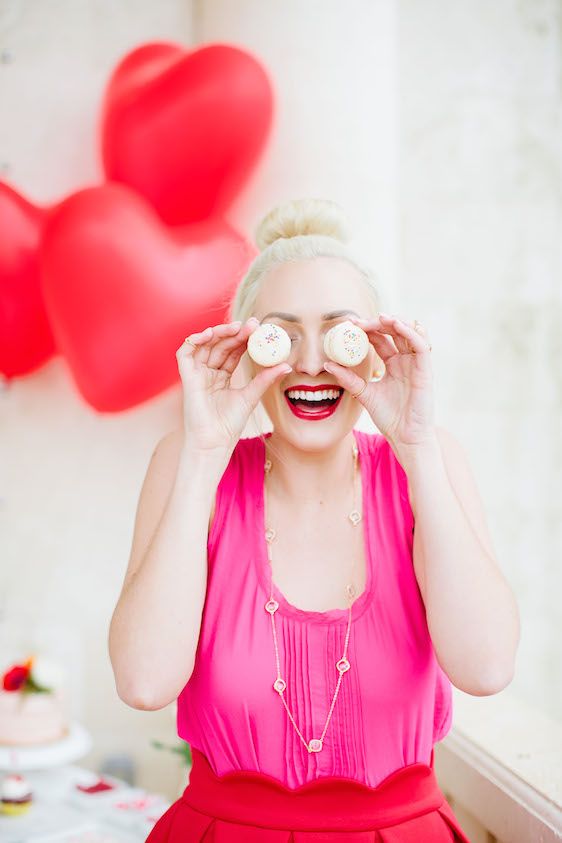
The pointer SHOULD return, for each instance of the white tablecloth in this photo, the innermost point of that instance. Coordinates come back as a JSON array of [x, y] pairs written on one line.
[[61, 813]]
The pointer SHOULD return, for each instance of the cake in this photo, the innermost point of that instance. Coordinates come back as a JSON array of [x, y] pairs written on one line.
[[15, 794], [33, 707]]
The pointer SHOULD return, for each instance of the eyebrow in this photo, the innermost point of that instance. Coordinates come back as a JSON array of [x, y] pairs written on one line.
[[326, 317]]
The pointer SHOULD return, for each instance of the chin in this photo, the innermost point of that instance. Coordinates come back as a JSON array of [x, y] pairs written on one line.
[[313, 436]]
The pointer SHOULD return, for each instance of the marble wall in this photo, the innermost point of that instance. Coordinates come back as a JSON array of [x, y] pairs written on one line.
[[480, 244]]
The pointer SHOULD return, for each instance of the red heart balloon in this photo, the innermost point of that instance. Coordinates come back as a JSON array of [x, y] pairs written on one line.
[[26, 340], [185, 128], [122, 291]]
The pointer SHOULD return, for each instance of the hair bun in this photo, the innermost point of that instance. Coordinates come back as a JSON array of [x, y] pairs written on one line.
[[302, 216]]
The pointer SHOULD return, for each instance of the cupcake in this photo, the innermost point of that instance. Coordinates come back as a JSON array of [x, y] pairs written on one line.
[[15, 794]]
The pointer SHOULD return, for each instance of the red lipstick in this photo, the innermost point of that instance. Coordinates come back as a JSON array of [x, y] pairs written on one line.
[[313, 413]]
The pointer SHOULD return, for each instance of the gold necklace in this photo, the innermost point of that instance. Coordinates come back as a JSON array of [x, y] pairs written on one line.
[[343, 664]]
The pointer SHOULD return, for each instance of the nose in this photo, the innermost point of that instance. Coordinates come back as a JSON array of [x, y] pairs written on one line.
[[308, 355]]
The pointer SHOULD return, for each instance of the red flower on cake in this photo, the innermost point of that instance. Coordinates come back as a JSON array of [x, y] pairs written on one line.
[[15, 677], [37, 674]]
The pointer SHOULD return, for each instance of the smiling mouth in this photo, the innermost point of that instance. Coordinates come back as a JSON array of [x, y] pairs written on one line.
[[326, 398]]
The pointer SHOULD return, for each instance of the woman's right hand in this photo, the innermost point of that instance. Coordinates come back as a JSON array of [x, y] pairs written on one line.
[[214, 412]]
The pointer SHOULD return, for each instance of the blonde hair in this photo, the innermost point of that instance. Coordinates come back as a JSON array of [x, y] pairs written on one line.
[[299, 229]]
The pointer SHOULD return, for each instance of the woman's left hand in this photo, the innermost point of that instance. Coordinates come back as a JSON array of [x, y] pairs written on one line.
[[401, 404]]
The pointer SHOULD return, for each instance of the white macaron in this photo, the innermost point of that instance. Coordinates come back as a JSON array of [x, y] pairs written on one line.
[[346, 344], [269, 345]]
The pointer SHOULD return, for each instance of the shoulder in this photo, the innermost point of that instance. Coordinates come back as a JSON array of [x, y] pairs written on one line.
[[158, 480], [450, 445], [454, 454], [165, 459], [463, 481], [370, 440], [163, 464], [169, 445], [380, 453], [455, 458]]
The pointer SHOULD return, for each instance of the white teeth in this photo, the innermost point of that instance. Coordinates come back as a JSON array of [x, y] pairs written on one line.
[[314, 396]]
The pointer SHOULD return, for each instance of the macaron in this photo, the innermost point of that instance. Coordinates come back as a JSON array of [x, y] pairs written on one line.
[[269, 345], [346, 344]]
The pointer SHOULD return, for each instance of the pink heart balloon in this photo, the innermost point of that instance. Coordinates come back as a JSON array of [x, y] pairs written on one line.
[[26, 340], [186, 128], [122, 291]]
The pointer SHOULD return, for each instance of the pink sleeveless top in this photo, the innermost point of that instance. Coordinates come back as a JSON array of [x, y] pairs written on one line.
[[394, 702]]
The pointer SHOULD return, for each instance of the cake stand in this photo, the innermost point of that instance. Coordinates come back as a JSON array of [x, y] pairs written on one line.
[[62, 809], [75, 744]]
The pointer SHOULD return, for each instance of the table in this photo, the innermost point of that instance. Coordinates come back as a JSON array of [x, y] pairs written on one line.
[[73, 804]]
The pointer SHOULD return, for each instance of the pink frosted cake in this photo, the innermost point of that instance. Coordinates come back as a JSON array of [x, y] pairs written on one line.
[[32, 704]]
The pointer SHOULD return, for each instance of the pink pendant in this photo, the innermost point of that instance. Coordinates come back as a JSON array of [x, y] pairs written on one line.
[[271, 606], [315, 745], [343, 665], [279, 685]]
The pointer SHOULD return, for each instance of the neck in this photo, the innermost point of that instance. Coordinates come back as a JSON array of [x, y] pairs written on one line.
[[310, 476]]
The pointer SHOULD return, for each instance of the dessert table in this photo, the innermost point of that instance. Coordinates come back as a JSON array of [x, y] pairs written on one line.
[[72, 804]]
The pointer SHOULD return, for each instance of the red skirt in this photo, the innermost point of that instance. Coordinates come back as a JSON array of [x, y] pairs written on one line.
[[248, 807]]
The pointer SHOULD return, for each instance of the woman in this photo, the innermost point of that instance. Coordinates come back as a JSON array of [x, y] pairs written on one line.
[[277, 588]]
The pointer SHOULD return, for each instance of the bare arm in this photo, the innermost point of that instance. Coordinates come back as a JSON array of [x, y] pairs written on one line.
[[155, 626], [472, 612]]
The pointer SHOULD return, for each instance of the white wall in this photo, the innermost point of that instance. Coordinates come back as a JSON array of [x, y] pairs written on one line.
[[436, 125], [333, 69], [70, 477], [481, 265]]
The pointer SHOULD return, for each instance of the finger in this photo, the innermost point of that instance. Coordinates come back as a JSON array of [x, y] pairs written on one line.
[[260, 383], [421, 330], [234, 357], [392, 325], [234, 339], [416, 343], [206, 340], [224, 336], [378, 337], [186, 349], [388, 323], [219, 332], [350, 380], [232, 361]]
